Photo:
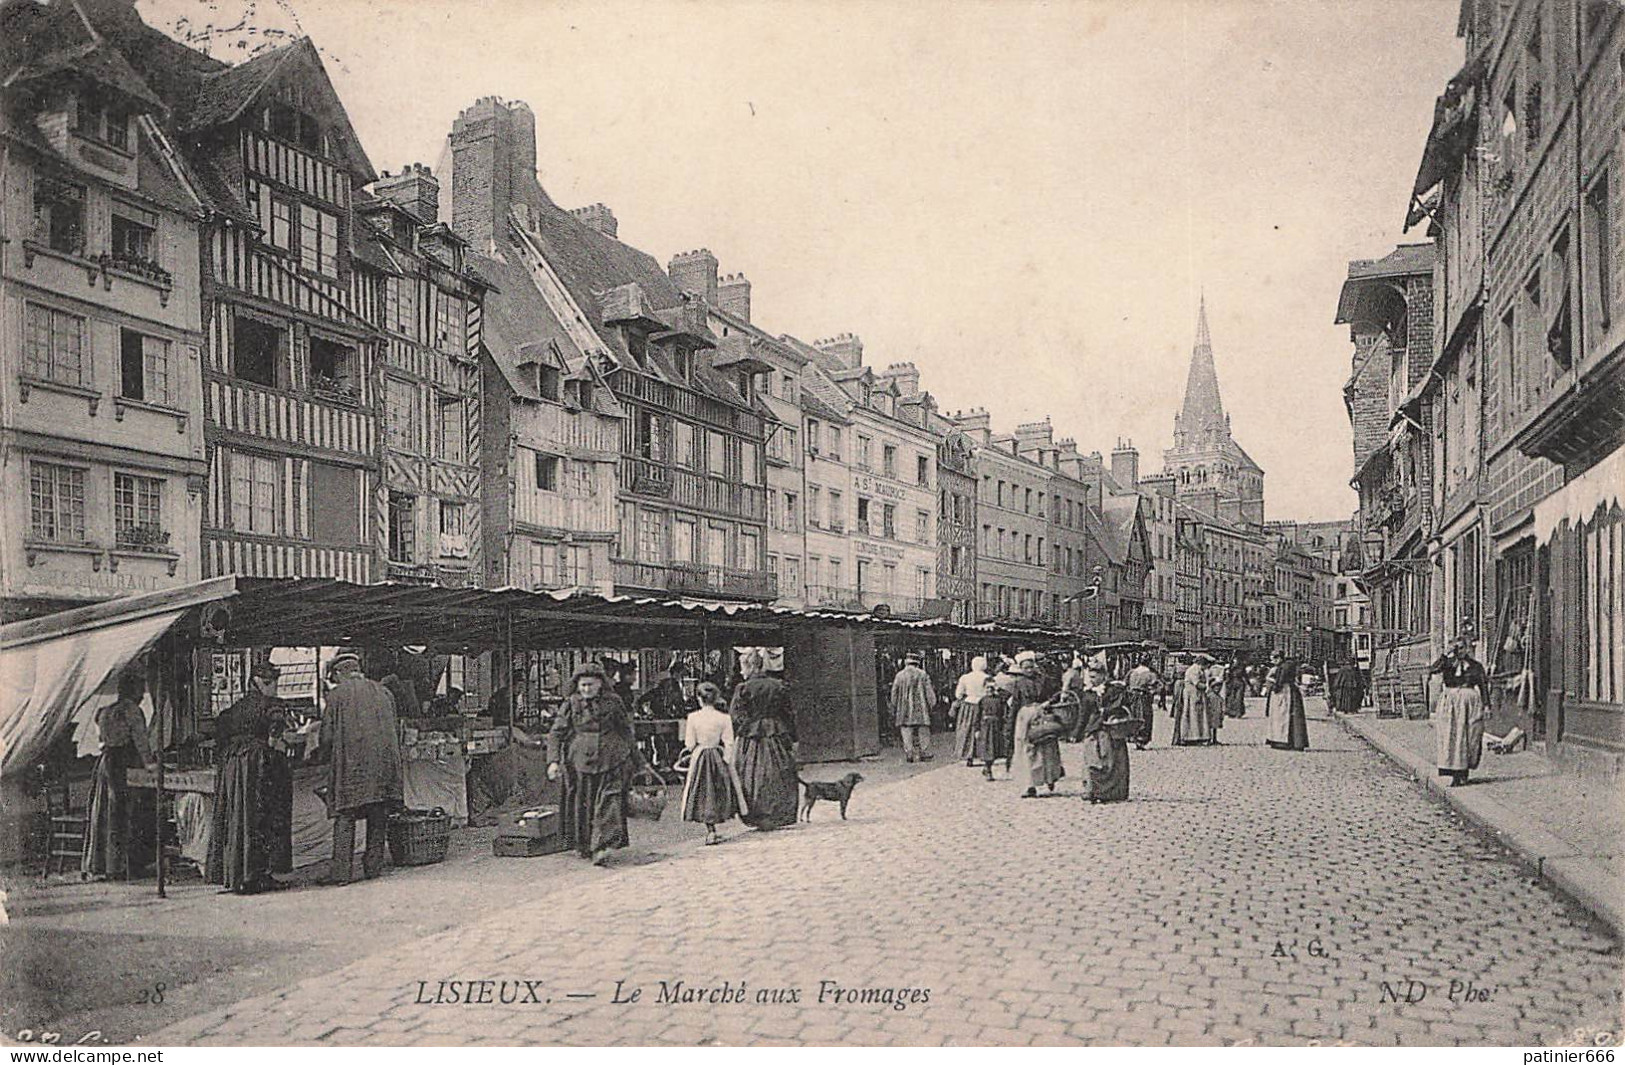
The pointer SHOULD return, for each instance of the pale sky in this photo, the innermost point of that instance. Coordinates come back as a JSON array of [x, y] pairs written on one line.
[[1024, 199]]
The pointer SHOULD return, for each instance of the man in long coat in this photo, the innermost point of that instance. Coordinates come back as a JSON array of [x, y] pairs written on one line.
[[358, 724], [912, 698]]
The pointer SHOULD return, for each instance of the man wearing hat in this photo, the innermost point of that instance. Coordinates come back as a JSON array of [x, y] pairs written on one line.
[[358, 726], [912, 698], [252, 833]]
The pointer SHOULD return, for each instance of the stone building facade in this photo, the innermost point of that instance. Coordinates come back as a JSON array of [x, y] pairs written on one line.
[[101, 409]]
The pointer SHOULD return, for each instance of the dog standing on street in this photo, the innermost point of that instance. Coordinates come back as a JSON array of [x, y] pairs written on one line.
[[830, 790]]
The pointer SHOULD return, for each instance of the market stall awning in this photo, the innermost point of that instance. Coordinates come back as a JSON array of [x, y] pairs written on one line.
[[51, 668]]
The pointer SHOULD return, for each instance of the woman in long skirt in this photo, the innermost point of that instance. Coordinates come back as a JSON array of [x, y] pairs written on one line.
[[593, 742], [1288, 725], [252, 834], [712, 793], [765, 730], [991, 734], [967, 693], [1192, 726], [1105, 746], [1458, 717], [1037, 762], [125, 746], [1235, 689]]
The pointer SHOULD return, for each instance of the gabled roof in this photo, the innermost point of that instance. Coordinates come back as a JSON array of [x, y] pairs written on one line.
[[224, 97], [1121, 514]]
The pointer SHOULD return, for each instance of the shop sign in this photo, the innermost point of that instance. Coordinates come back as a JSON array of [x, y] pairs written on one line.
[[868, 485]]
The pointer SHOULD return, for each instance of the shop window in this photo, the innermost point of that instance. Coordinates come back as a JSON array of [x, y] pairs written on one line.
[[59, 215], [56, 503], [257, 351], [402, 515], [1601, 565], [138, 511], [143, 367], [333, 369], [55, 346]]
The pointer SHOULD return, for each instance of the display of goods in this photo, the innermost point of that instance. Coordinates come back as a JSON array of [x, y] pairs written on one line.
[[419, 837], [646, 801]]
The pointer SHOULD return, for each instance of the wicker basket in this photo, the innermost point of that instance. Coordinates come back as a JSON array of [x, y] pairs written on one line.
[[646, 801], [419, 837]]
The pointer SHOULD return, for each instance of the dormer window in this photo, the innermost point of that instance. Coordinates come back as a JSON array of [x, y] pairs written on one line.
[[684, 360], [547, 381], [105, 122]]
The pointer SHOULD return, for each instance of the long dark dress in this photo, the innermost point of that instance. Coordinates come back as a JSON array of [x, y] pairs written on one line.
[[764, 728], [1289, 726], [252, 834], [119, 843], [1349, 689], [1106, 756], [593, 742], [992, 733], [1235, 691]]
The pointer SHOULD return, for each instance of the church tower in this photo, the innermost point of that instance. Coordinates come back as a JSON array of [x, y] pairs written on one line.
[[1211, 472]]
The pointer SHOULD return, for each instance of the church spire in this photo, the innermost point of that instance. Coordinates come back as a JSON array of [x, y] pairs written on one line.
[[1203, 412]]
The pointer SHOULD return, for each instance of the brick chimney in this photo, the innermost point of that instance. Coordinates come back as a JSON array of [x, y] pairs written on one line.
[[975, 423], [1035, 436], [414, 188], [733, 296], [846, 347], [695, 272], [598, 217], [1126, 465], [493, 152], [907, 376]]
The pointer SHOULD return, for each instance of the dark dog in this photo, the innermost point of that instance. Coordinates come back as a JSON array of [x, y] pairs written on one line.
[[831, 791]]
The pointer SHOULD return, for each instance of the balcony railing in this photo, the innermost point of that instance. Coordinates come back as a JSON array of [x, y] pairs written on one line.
[[830, 597], [691, 579], [687, 488], [637, 386]]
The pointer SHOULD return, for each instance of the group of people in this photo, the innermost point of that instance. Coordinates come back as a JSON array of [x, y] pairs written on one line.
[[740, 762], [1009, 717], [251, 836]]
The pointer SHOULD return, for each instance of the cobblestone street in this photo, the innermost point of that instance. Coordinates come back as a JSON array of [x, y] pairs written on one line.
[[1244, 895]]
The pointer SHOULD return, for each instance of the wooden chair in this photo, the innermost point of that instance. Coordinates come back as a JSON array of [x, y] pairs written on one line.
[[69, 831]]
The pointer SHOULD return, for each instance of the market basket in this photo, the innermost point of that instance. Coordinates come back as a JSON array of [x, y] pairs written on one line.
[[419, 837], [647, 801]]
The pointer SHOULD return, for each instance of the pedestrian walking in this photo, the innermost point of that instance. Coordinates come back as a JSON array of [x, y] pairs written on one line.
[[364, 782], [1038, 756], [1214, 697], [592, 745], [252, 833], [712, 793], [968, 692], [912, 698], [1348, 688], [1235, 688], [1458, 716], [1288, 725], [765, 734], [109, 852], [990, 723], [1191, 724], [1104, 720], [1143, 682]]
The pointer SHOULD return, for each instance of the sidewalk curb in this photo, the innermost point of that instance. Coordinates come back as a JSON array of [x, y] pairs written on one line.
[[1573, 874]]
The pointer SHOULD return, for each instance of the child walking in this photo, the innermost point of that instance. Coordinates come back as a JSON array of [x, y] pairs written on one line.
[[712, 793]]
